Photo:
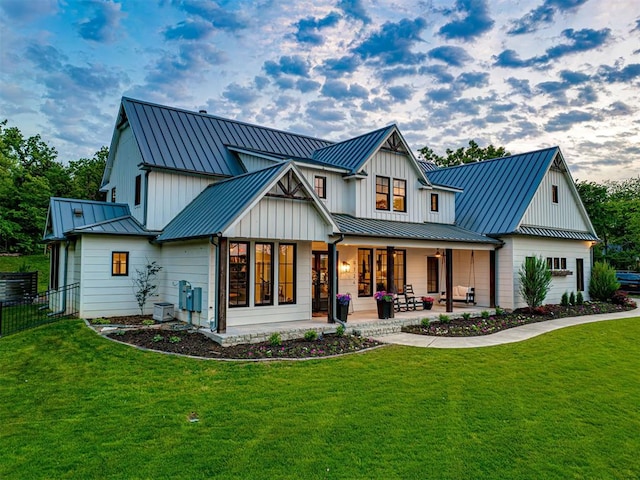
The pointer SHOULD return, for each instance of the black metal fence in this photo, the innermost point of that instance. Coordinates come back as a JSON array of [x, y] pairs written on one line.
[[34, 310]]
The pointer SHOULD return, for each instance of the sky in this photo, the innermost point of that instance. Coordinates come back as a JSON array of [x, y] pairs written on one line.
[[523, 74]]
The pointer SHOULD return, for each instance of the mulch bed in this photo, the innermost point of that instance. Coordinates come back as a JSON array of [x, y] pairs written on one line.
[[489, 324]]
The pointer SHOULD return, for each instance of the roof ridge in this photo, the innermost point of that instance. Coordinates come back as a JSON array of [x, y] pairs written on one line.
[[335, 144], [495, 159], [81, 200], [278, 165]]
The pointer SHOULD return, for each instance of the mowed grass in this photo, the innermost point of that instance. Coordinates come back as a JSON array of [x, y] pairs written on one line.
[[34, 262], [562, 405]]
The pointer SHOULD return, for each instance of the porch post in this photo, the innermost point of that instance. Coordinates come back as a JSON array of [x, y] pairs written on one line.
[[221, 284], [333, 283], [448, 254], [391, 280], [492, 278]]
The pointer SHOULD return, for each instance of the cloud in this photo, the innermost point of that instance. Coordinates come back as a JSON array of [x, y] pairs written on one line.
[[454, 56], [391, 45], [401, 93], [472, 20], [345, 64], [565, 120], [637, 27], [289, 65], [617, 74], [324, 111], [240, 95], [220, 18], [441, 95], [519, 86], [472, 80], [308, 29], [376, 105], [618, 109], [190, 29], [579, 41], [586, 96], [24, 11], [389, 74], [542, 15], [306, 85], [104, 23], [341, 91], [355, 10], [439, 72]]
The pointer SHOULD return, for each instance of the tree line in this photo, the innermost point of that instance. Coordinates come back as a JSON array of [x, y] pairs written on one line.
[[30, 174]]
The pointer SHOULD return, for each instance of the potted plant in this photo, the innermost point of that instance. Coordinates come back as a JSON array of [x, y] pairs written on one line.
[[427, 303], [384, 302], [343, 300]]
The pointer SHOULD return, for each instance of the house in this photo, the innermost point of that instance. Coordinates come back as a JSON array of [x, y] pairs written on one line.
[[262, 225]]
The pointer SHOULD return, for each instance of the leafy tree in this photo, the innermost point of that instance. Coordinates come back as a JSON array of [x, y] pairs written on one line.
[[144, 283], [86, 175], [535, 281], [470, 154]]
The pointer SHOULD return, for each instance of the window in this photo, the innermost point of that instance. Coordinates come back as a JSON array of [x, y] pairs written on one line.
[[554, 193], [54, 279], [399, 195], [434, 202], [238, 274], [399, 270], [263, 274], [119, 264], [556, 263], [580, 274], [113, 195], [320, 186], [287, 274], [382, 193], [432, 275], [365, 267], [138, 189]]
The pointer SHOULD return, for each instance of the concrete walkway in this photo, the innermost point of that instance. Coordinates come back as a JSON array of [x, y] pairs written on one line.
[[511, 335]]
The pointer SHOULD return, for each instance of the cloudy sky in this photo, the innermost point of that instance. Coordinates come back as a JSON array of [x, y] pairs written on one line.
[[525, 74]]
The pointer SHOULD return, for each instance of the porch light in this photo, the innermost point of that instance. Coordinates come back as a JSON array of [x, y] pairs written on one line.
[[438, 254], [346, 267]]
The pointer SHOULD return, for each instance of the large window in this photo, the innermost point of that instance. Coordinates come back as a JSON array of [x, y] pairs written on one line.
[[435, 202], [433, 275], [263, 274], [399, 270], [399, 195], [382, 193], [287, 273], [119, 264], [365, 274], [138, 191], [320, 186], [238, 274]]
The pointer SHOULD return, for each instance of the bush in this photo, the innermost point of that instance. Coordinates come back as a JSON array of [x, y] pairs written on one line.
[[564, 301], [275, 340], [572, 299], [466, 316], [340, 330], [621, 298], [444, 318], [485, 314], [535, 281], [603, 282], [425, 322], [579, 299], [310, 335], [500, 311]]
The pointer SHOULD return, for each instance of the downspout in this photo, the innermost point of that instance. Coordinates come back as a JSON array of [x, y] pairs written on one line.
[[64, 278], [214, 239], [334, 283], [146, 198]]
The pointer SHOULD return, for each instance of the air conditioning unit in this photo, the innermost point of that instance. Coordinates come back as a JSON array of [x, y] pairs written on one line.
[[162, 311]]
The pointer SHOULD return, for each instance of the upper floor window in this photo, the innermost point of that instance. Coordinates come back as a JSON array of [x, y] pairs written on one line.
[[113, 195], [382, 193], [138, 192], [435, 207], [554, 193], [320, 185], [399, 195], [119, 264]]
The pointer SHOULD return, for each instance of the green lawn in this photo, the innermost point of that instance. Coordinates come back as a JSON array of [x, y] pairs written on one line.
[[562, 405], [34, 262]]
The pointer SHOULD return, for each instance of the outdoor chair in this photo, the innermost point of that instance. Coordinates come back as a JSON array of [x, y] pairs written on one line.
[[410, 298]]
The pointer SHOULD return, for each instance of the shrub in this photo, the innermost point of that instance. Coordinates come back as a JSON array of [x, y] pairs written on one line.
[[485, 314], [174, 339], [621, 298], [425, 322], [157, 338], [579, 299], [275, 340], [572, 299], [500, 311], [310, 335], [466, 315], [444, 318], [148, 322], [144, 283], [564, 301], [603, 282], [535, 281], [340, 330]]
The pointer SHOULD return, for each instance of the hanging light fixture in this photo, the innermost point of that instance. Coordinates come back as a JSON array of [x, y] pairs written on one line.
[[438, 254]]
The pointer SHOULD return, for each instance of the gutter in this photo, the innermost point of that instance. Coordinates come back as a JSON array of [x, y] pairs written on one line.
[[214, 240]]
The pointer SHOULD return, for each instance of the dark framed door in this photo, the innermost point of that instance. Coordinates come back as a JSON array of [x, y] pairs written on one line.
[[320, 282]]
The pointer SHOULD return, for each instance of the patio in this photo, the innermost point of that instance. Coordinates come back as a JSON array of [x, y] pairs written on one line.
[[366, 322]]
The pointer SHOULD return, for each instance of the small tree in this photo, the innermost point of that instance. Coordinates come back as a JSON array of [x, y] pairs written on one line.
[[603, 282], [535, 281], [144, 283]]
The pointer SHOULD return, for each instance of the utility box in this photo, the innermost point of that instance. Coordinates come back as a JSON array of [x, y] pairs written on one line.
[[162, 311], [196, 300], [183, 292]]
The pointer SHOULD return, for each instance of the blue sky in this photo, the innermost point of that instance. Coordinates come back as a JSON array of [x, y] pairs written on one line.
[[526, 75]]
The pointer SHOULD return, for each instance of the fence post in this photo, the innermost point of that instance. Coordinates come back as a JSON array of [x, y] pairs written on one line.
[[1, 303]]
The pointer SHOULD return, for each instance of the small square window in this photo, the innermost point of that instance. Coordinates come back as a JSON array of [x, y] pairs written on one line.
[[119, 264]]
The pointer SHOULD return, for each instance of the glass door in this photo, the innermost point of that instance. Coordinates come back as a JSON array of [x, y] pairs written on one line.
[[320, 282]]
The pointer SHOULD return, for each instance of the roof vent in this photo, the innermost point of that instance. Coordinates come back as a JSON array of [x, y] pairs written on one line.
[[202, 111], [77, 212]]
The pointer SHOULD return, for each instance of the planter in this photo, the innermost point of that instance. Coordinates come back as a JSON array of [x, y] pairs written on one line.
[[343, 312], [427, 305], [385, 309]]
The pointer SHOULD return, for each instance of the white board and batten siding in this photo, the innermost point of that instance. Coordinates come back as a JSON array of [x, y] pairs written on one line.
[[280, 218], [301, 310], [169, 193], [523, 247], [339, 192], [253, 163], [446, 206], [97, 279], [565, 214]]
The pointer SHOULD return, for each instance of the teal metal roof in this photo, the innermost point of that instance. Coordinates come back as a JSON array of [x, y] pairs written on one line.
[[179, 139], [367, 227], [554, 233], [496, 193], [117, 226], [219, 205]]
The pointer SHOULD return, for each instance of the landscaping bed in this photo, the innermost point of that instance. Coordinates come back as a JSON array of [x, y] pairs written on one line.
[[487, 324], [189, 342]]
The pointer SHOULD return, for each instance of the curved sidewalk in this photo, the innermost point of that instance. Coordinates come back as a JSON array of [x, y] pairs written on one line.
[[511, 335]]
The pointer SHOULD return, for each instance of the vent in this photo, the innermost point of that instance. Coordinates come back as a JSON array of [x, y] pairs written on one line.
[[77, 212], [202, 111]]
